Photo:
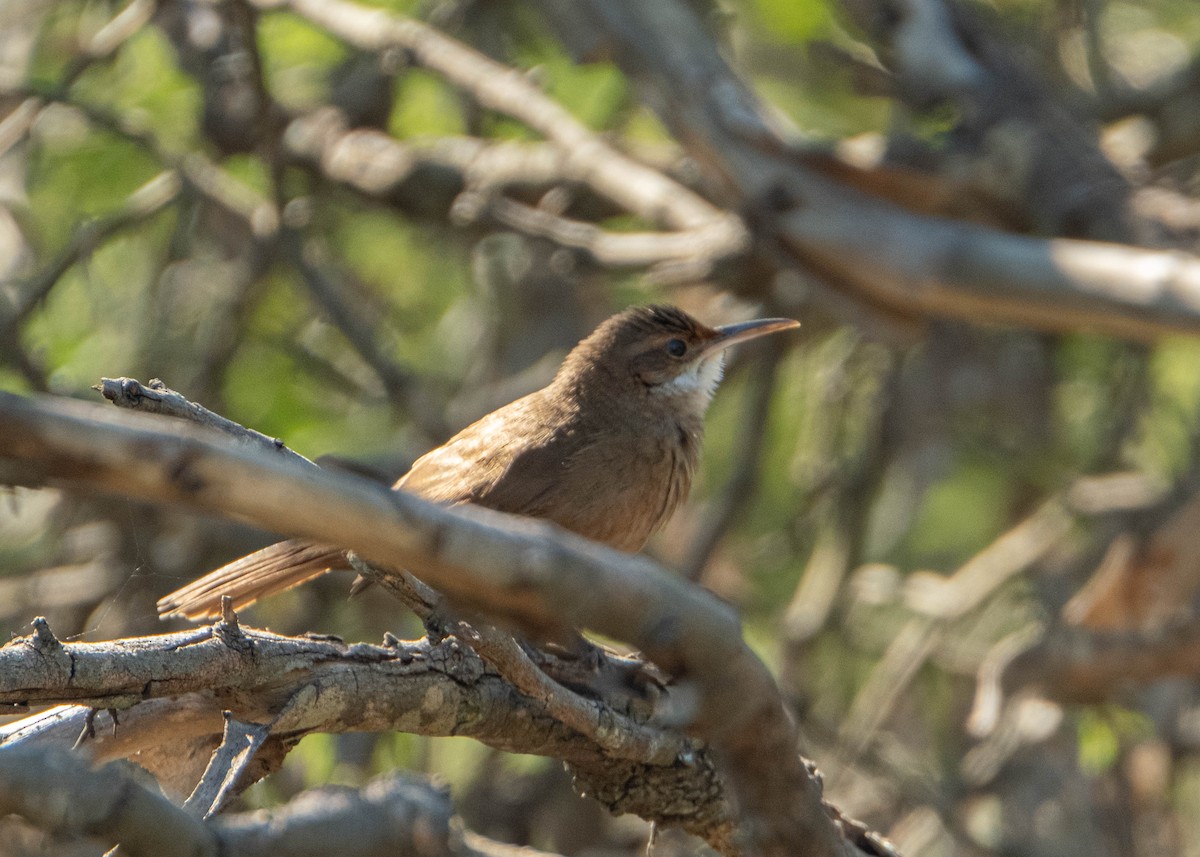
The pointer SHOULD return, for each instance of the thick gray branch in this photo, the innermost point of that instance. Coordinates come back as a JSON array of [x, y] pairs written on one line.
[[176, 689], [394, 815], [527, 570]]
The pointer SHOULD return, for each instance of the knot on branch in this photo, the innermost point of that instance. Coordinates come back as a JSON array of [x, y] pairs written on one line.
[[43, 638], [228, 631], [131, 393]]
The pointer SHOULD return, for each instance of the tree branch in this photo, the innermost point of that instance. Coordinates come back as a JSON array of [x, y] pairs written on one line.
[[177, 691], [156, 397], [528, 571], [899, 260], [393, 815], [585, 157]]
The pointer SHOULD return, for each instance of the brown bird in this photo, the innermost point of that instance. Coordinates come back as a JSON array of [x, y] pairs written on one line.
[[607, 449]]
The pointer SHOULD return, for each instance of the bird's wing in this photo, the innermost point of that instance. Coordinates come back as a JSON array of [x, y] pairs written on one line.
[[506, 461]]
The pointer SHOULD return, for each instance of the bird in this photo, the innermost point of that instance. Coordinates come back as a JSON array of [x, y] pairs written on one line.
[[607, 450]]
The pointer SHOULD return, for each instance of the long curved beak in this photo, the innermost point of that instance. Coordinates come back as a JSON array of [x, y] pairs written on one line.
[[732, 334]]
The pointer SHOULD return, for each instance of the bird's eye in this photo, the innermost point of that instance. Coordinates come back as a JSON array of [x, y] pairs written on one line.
[[676, 347]]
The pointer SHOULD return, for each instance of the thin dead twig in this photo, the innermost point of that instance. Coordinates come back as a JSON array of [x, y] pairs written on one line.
[[239, 743], [155, 397]]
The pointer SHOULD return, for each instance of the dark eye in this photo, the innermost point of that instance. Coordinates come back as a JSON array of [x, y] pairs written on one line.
[[676, 347]]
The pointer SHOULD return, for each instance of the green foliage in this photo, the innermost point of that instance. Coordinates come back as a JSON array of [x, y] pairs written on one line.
[[74, 333], [791, 22], [1104, 731], [146, 88], [297, 58], [594, 92], [74, 179], [959, 514], [425, 106]]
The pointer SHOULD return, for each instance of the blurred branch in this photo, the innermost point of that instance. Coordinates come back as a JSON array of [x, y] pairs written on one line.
[[589, 159], [740, 489], [356, 321], [392, 815], [57, 792], [193, 172], [1025, 146], [901, 261], [948, 598], [939, 600], [383, 167], [100, 45], [528, 571], [841, 529], [705, 230], [1079, 665], [145, 202], [217, 43], [688, 249]]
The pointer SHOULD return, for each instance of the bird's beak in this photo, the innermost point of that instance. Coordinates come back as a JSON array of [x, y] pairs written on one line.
[[732, 334]]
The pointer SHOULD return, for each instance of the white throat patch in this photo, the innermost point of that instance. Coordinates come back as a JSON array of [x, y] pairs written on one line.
[[698, 382]]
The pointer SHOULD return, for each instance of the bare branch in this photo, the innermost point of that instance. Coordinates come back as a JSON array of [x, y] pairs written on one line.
[[472, 173], [357, 323], [902, 261], [1082, 666], [56, 791], [524, 569], [584, 156], [156, 397], [381, 166], [627, 182], [181, 687], [230, 760], [616, 249], [392, 815], [940, 597]]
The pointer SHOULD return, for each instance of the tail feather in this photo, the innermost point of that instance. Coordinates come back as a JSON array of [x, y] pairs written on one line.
[[266, 572]]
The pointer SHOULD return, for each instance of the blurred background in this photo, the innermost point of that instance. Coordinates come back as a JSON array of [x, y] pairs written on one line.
[[969, 551]]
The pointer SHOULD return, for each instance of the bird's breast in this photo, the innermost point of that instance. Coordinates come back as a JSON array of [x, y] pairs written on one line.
[[622, 487]]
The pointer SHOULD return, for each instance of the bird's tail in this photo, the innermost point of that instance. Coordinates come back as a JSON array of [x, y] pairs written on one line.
[[272, 569]]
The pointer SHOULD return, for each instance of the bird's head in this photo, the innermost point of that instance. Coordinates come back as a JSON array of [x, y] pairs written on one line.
[[664, 352]]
